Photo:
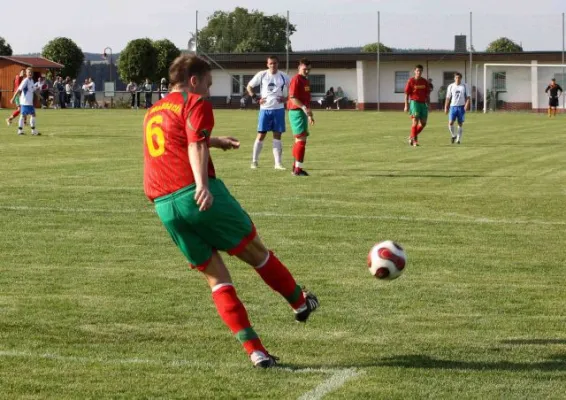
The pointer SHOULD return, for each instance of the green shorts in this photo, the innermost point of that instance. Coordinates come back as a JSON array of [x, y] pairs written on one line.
[[418, 110], [299, 122], [224, 226], [17, 101]]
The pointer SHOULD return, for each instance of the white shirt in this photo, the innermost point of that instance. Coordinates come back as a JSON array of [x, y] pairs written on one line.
[[28, 88], [458, 94], [91, 87], [272, 86]]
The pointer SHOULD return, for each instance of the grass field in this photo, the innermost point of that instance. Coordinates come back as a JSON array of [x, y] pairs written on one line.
[[96, 301]]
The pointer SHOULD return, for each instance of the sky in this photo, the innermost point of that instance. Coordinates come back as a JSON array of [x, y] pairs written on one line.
[[536, 25]]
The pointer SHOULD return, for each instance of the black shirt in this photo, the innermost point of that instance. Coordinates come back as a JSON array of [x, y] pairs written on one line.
[[553, 90]]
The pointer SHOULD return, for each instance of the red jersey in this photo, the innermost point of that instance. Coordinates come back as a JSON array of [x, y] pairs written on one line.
[[18, 81], [300, 89], [169, 126], [418, 89]]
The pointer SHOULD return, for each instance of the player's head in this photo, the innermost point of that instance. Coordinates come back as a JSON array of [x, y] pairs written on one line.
[[192, 73], [457, 78], [272, 64], [29, 72], [418, 70], [553, 81], [23, 72], [304, 66]]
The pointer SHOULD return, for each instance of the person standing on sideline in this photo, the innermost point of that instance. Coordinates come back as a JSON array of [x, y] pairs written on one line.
[[300, 114], [458, 98], [272, 83], [198, 211], [554, 92], [26, 92], [163, 89], [417, 91], [148, 90], [132, 88]]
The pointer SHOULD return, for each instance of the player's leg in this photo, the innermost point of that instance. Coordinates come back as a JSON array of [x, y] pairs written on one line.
[[263, 125], [423, 114], [278, 129], [460, 118], [413, 112], [34, 131], [179, 214], [299, 126]]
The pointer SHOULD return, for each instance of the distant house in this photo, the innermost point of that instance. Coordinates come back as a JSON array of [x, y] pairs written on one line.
[[10, 66]]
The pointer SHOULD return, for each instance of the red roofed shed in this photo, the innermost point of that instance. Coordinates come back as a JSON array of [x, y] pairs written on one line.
[[10, 66]]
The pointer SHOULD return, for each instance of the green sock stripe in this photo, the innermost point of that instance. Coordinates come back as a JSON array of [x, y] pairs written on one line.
[[246, 334], [295, 295]]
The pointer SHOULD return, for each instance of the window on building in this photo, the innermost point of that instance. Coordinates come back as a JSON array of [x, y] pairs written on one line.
[[236, 84], [499, 81], [317, 84], [401, 78], [246, 80], [448, 78], [560, 79]]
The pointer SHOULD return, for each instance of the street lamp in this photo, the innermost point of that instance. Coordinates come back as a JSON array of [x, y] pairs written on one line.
[[106, 54]]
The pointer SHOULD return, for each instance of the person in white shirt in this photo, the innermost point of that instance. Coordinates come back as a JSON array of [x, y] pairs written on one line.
[[132, 88], [273, 85], [26, 91], [458, 98]]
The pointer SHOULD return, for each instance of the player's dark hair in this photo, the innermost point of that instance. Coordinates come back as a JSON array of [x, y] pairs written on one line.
[[186, 66], [273, 57], [305, 61], [553, 80], [458, 74], [419, 66]]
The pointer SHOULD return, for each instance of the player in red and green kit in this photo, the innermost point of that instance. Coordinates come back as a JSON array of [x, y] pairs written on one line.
[[197, 209], [19, 79], [300, 114], [417, 91]]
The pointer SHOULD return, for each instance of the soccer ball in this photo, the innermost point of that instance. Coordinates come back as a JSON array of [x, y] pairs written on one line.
[[386, 260]]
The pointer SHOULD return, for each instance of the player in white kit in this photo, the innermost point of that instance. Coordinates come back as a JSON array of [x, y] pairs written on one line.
[[458, 98], [26, 91], [273, 85]]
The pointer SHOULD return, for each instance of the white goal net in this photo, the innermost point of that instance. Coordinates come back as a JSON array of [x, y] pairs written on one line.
[[520, 87]]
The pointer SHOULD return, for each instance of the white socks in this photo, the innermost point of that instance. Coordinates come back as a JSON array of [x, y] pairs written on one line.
[[258, 145], [21, 122], [277, 151], [459, 137], [451, 128]]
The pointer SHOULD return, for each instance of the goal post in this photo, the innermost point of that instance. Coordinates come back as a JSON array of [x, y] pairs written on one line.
[[520, 87]]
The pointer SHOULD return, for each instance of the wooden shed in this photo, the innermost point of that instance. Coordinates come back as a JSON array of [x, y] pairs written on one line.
[[10, 66]]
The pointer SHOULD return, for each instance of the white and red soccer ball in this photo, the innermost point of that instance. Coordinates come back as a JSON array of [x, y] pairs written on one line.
[[386, 260]]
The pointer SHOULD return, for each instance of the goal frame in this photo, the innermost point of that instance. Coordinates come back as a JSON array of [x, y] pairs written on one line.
[[534, 65]]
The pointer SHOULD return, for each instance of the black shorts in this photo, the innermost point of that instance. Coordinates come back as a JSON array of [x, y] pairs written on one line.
[[553, 102]]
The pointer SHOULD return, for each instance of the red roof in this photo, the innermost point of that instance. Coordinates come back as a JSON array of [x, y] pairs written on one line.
[[31, 61]]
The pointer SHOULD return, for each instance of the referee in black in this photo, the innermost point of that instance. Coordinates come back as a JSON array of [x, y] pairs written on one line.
[[554, 91]]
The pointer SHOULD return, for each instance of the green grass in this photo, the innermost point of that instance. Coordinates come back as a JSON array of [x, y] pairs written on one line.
[[96, 301]]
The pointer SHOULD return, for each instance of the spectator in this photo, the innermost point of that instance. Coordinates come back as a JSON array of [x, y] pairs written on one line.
[[163, 89], [132, 88], [59, 92], [329, 98], [43, 91], [148, 90], [76, 88], [92, 94], [340, 97], [244, 101], [430, 85], [68, 91], [441, 97], [86, 93]]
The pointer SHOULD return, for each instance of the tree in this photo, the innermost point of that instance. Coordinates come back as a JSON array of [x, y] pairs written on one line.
[[137, 61], [64, 51], [166, 53], [240, 31], [504, 45], [5, 48], [372, 48]]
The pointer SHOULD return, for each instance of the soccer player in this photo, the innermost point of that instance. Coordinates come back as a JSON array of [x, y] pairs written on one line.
[[272, 83], [418, 91], [300, 114], [19, 78], [197, 209], [25, 92], [554, 91], [458, 98]]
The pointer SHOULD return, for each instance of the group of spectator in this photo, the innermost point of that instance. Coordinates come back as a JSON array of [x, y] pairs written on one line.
[[67, 93], [334, 97], [146, 88]]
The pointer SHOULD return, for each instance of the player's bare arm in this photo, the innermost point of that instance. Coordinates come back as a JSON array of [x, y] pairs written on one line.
[[306, 110], [198, 158], [447, 103], [406, 102], [18, 93], [467, 105], [225, 142]]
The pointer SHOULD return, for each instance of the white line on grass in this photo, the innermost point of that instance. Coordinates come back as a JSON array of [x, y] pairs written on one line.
[[460, 219], [336, 380]]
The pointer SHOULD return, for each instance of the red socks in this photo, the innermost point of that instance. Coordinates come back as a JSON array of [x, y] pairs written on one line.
[[15, 113], [414, 132], [299, 149], [419, 129], [235, 316], [278, 278]]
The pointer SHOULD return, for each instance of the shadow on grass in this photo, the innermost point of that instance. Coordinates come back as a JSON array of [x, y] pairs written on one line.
[[556, 363], [534, 341], [366, 173]]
